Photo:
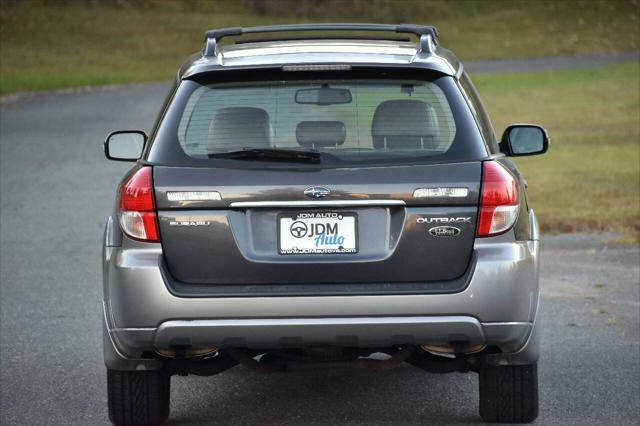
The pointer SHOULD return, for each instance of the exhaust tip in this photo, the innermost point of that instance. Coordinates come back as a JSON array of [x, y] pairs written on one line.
[[451, 350], [187, 352]]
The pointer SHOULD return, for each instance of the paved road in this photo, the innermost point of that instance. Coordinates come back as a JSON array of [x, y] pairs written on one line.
[[55, 192], [543, 63], [551, 63]]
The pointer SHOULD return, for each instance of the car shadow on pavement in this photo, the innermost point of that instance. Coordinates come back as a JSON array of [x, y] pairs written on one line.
[[405, 395]]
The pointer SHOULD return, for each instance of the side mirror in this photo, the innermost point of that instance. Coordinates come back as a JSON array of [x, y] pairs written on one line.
[[125, 145], [524, 139]]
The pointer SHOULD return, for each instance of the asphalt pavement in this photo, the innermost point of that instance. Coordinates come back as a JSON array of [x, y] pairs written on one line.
[[56, 190], [551, 63]]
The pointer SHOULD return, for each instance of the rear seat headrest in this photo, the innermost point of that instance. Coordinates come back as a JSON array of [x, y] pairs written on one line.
[[239, 127], [403, 124], [404, 118], [321, 133]]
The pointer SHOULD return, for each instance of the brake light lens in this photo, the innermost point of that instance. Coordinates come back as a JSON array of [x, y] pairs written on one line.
[[498, 202], [137, 210]]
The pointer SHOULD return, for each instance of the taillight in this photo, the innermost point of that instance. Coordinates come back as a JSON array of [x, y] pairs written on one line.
[[137, 210], [498, 201]]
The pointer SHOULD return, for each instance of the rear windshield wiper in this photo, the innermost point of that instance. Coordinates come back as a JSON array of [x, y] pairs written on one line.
[[271, 155]]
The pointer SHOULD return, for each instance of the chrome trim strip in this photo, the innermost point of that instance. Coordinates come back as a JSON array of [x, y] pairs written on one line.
[[533, 223], [310, 203], [459, 72], [507, 323]]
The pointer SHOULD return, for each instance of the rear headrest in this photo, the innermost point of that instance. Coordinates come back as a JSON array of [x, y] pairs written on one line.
[[239, 127], [404, 118], [321, 133]]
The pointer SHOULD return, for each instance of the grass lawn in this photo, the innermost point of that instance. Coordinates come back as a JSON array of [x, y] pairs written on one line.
[[590, 177], [55, 44]]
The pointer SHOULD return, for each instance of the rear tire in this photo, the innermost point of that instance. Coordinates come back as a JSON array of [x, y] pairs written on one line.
[[509, 394], [138, 398]]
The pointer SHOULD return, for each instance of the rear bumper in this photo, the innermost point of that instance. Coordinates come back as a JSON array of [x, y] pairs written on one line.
[[498, 307], [267, 333]]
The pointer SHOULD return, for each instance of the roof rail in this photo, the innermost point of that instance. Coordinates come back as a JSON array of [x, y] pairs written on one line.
[[428, 35]]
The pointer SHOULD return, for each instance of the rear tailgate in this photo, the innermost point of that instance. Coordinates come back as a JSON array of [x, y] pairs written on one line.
[[254, 233]]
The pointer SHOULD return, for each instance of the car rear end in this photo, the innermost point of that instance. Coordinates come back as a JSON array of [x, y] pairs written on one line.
[[290, 211]]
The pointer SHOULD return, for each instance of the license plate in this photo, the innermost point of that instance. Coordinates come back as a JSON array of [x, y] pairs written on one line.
[[317, 233]]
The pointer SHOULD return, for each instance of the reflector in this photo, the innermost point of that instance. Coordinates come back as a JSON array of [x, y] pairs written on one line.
[[193, 196]]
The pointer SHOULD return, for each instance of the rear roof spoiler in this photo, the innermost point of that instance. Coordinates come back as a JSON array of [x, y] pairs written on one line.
[[428, 35]]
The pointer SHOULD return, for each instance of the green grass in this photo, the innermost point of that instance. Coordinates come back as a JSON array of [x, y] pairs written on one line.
[[590, 178], [49, 45]]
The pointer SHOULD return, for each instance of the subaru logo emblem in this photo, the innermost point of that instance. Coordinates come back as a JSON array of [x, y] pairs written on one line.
[[316, 192]]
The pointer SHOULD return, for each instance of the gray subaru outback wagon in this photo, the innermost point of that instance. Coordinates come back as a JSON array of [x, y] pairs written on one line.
[[321, 196]]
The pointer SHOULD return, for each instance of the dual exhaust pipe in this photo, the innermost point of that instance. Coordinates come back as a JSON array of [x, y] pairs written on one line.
[[211, 361]]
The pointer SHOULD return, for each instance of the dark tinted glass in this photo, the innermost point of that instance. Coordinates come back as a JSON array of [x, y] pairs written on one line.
[[387, 121], [480, 112]]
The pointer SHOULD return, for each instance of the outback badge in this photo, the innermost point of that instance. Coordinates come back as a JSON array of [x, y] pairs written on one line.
[[444, 231]]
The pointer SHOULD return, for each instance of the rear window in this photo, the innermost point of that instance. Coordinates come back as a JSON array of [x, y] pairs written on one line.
[[346, 121]]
